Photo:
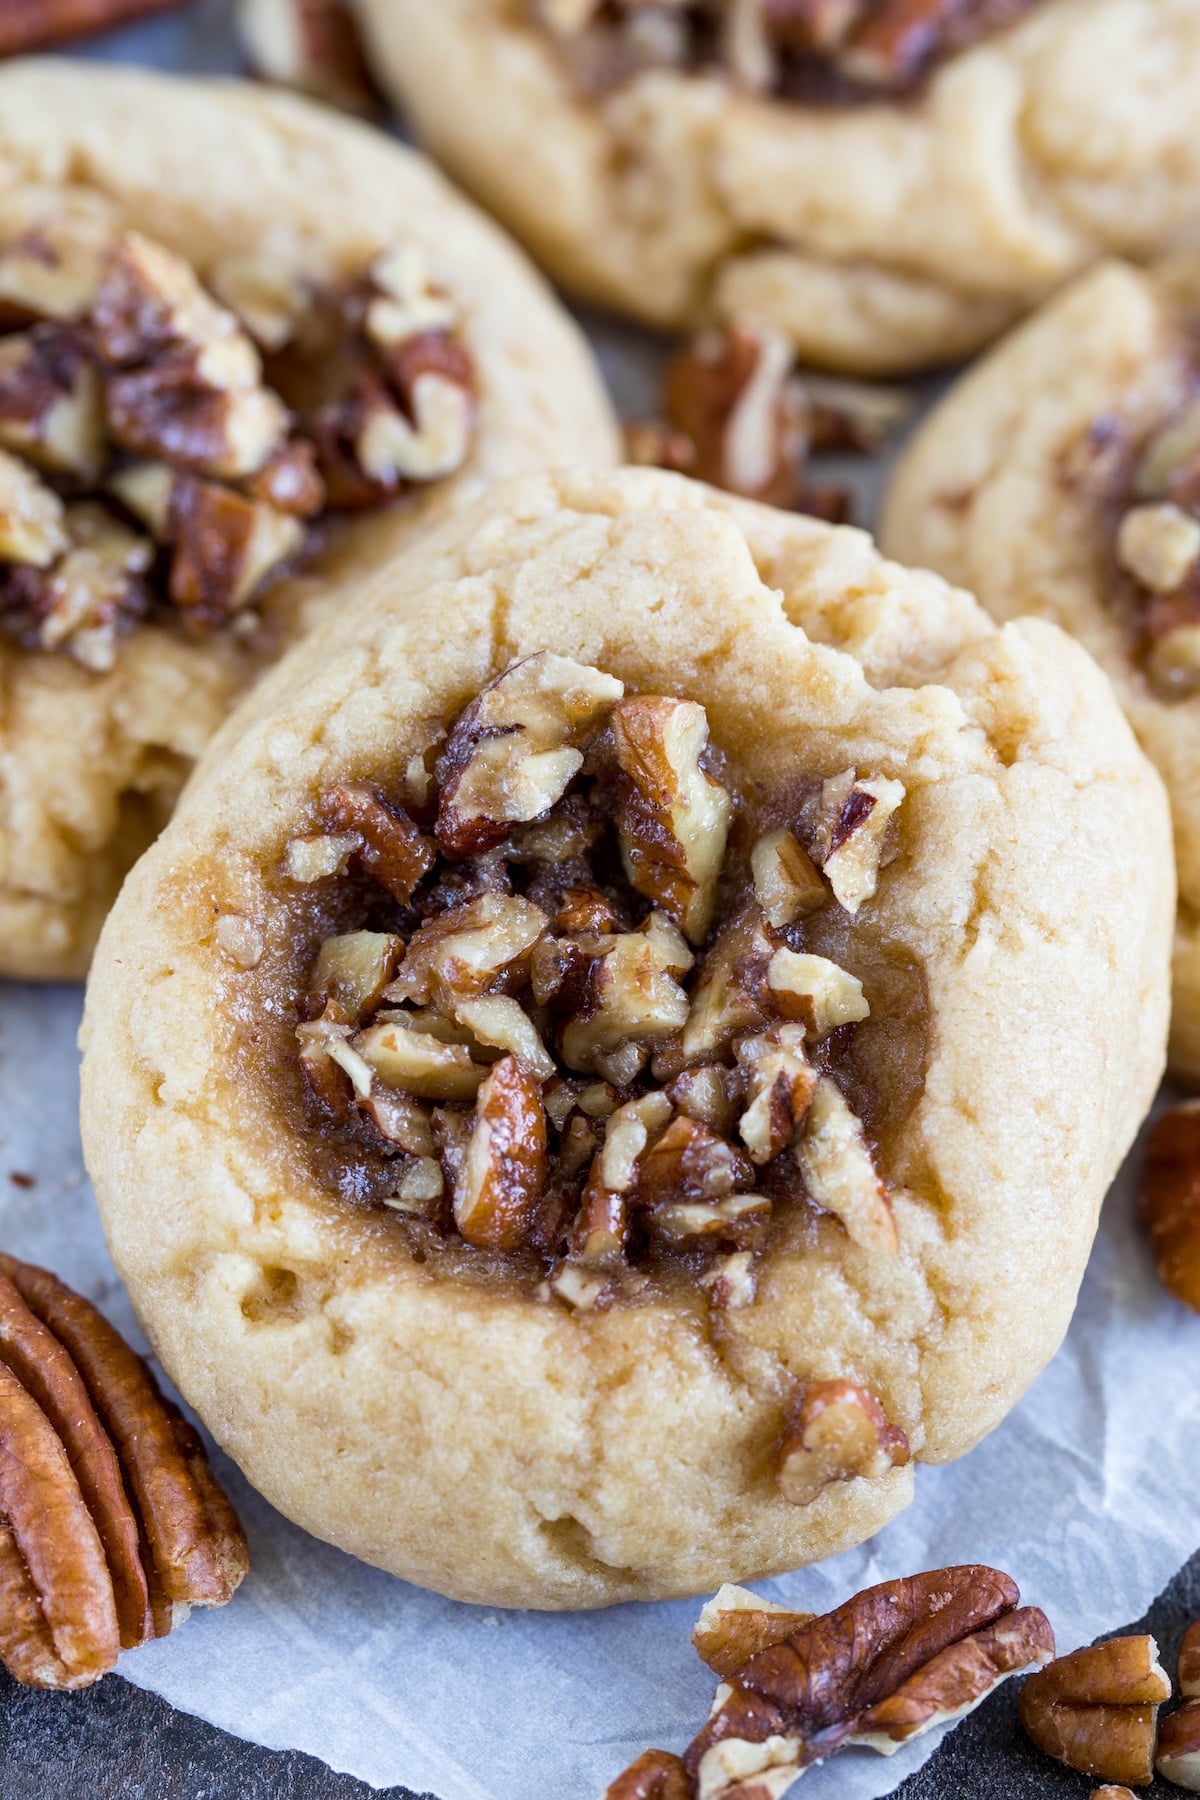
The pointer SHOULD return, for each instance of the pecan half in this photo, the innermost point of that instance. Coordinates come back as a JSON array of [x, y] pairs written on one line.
[[1188, 1667], [1170, 1199], [1096, 1709], [114, 1523], [835, 1431], [37, 24], [955, 1682]]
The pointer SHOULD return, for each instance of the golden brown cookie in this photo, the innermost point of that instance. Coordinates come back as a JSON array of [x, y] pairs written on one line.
[[1061, 478], [583, 1104], [887, 190], [247, 350]]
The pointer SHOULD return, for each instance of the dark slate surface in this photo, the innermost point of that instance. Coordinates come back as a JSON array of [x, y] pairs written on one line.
[[118, 1743]]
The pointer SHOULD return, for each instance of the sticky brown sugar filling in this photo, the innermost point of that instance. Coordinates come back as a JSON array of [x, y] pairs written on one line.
[[815, 52], [570, 1008], [170, 450]]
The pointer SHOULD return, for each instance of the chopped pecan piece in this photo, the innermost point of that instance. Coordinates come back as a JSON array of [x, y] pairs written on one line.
[[787, 883], [239, 939], [1159, 545], [459, 954], [780, 1084], [311, 45], [419, 1186], [51, 271], [835, 1431], [417, 1061], [673, 818], [1170, 1199], [1096, 1709], [690, 1163], [600, 1230], [631, 995], [354, 968], [732, 994], [91, 595], [730, 1282], [709, 1094], [32, 528], [504, 1171], [513, 751], [737, 1219], [51, 405], [226, 548], [316, 858], [854, 817], [404, 304], [393, 852], [503, 1024], [839, 1170], [819, 993]]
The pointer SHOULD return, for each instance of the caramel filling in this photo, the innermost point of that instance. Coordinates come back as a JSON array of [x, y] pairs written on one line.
[[167, 451], [572, 1013]]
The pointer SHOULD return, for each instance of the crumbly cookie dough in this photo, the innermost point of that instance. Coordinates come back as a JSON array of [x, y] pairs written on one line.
[[90, 764], [880, 236], [497, 1445], [993, 492]]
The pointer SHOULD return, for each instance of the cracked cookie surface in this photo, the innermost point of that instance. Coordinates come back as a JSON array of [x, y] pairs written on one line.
[[425, 1405], [880, 235], [106, 701], [1053, 480]]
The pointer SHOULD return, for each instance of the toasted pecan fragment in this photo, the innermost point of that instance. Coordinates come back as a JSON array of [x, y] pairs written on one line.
[[512, 752], [56, 1538], [311, 45], [730, 393], [673, 818], [631, 995], [735, 1624], [835, 1431], [504, 1172], [393, 852], [780, 1084], [732, 994], [787, 883], [411, 1054], [656, 1775], [816, 991], [51, 405], [1170, 1199], [849, 843], [1096, 1708], [40, 1363], [839, 1170], [190, 1564], [460, 954], [691, 1164], [32, 530], [353, 969]]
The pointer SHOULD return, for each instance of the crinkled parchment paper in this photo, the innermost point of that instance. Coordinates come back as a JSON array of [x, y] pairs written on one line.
[[1086, 1494]]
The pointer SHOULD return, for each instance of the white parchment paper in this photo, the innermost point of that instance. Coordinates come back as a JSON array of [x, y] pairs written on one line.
[[1087, 1493]]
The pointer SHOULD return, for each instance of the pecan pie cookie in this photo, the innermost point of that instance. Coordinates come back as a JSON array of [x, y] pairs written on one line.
[[1062, 477], [888, 182], [585, 1105], [247, 349]]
